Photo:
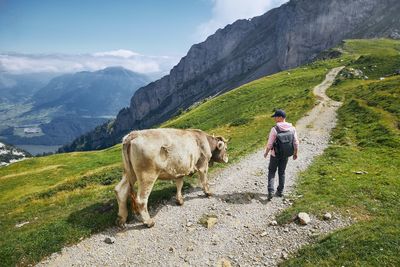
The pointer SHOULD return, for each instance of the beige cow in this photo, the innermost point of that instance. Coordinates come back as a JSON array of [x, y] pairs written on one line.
[[167, 154]]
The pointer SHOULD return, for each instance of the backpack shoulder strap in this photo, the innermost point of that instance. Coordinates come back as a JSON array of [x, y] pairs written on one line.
[[277, 129]]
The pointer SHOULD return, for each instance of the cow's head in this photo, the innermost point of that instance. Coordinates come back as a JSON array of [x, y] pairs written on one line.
[[220, 154]]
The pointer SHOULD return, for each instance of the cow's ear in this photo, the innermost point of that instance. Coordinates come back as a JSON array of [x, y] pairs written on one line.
[[220, 145]]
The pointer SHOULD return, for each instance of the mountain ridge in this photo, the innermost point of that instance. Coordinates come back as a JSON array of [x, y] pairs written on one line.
[[71, 89], [245, 50]]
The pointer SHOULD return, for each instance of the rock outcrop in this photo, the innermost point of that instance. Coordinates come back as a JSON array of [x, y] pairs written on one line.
[[10, 154], [283, 38]]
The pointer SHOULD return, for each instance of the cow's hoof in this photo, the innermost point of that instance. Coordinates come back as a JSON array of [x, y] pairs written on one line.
[[149, 223], [179, 202], [120, 223], [208, 194]]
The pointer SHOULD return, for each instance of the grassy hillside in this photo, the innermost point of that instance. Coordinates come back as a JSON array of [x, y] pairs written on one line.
[[69, 196], [366, 139]]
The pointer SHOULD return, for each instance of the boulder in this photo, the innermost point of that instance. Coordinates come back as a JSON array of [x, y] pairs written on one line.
[[211, 221], [263, 234], [327, 216], [304, 218], [109, 240], [273, 223], [19, 225], [224, 263]]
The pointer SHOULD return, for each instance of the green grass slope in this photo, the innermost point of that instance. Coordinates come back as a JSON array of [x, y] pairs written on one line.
[[67, 197], [366, 139]]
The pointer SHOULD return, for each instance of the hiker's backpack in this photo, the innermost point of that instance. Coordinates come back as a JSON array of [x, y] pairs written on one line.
[[283, 145]]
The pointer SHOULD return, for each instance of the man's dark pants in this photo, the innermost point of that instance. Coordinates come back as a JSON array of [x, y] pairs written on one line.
[[280, 164]]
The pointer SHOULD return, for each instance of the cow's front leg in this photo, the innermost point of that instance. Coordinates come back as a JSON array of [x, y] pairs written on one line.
[[122, 190], [179, 185], [204, 182]]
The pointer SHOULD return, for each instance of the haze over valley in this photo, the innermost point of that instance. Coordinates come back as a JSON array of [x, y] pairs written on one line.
[[40, 110]]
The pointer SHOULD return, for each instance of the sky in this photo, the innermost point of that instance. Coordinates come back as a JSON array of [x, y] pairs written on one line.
[[146, 36]]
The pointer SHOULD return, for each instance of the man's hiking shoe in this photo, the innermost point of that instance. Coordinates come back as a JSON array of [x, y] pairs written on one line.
[[279, 194], [270, 195]]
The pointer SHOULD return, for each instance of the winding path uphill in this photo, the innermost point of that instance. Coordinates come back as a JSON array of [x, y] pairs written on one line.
[[244, 233]]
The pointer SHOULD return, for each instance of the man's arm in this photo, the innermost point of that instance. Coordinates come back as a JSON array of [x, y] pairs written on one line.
[[295, 153], [270, 142], [267, 149]]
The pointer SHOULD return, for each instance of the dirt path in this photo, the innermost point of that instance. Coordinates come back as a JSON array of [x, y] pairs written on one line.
[[242, 235]]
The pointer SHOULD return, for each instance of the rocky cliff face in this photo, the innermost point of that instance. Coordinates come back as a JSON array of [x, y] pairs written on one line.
[[283, 38]]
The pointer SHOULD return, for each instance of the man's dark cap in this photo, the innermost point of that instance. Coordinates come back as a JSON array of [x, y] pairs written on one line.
[[279, 113]]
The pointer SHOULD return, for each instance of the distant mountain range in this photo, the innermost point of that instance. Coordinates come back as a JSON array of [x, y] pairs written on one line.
[[54, 113], [99, 93], [19, 88], [283, 38]]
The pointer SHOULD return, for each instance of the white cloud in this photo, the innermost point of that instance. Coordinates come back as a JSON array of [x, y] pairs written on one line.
[[117, 53], [223, 13], [227, 11], [64, 63]]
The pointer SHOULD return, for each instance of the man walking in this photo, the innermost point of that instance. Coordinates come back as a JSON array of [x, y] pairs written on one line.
[[283, 143]]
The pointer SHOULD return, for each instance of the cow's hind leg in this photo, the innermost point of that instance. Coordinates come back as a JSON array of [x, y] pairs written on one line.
[[146, 182], [131, 176], [179, 185], [122, 190], [204, 182]]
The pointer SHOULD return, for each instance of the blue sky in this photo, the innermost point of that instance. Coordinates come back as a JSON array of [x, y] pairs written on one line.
[[81, 26], [156, 33]]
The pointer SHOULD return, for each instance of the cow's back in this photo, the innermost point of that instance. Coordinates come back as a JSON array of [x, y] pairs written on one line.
[[169, 152]]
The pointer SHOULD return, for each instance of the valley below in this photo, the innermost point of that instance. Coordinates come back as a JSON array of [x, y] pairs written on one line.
[[65, 107]]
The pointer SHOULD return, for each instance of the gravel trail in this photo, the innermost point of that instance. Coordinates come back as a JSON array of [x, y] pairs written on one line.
[[243, 234]]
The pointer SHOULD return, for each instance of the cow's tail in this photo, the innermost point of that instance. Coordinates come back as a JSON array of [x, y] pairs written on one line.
[[128, 169], [126, 157]]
